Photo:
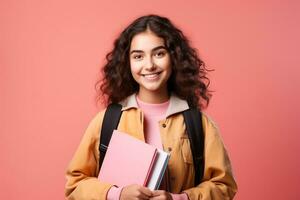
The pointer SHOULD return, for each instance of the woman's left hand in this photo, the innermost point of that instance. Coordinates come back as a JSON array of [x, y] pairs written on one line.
[[161, 195]]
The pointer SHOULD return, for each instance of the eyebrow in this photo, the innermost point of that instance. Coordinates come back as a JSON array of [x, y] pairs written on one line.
[[154, 49]]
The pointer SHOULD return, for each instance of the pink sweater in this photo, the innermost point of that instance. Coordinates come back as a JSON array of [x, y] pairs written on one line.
[[152, 114]]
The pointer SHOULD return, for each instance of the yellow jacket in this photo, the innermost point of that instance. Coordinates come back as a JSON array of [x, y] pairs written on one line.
[[217, 184]]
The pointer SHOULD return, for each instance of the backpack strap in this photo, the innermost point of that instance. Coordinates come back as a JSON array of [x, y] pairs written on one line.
[[110, 122], [193, 122]]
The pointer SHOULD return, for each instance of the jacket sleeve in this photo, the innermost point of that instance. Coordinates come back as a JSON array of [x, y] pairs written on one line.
[[218, 182], [82, 182]]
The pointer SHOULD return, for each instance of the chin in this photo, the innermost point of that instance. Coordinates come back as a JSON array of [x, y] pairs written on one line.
[[152, 89]]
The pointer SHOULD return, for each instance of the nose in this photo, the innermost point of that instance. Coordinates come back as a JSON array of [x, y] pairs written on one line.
[[149, 64]]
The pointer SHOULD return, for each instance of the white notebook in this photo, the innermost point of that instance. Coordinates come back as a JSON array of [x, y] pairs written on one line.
[[158, 169]]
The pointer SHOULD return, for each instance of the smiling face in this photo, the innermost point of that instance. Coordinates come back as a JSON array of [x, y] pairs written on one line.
[[150, 65]]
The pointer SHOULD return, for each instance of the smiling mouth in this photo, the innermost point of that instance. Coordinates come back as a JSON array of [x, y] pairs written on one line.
[[152, 75]]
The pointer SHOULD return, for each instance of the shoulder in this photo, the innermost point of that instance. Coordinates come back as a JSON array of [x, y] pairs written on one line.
[[210, 127], [208, 121], [97, 118], [96, 122], [95, 125]]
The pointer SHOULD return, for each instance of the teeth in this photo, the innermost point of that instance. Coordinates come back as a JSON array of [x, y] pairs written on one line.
[[150, 75]]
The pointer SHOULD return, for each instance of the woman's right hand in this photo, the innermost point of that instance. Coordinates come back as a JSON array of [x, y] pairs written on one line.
[[135, 192]]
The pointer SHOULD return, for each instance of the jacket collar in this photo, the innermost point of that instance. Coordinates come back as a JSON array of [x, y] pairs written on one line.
[[176, 105]]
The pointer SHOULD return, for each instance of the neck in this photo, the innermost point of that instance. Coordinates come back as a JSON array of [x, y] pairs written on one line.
[[153, 97]]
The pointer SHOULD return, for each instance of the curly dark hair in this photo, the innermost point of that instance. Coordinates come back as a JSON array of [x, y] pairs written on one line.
[[188, 79]]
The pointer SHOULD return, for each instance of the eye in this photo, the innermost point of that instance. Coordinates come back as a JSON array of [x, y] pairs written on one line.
[[160, 54], [137, 56]]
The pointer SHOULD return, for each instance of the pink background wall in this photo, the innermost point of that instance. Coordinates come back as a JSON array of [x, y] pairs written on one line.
[[50, 54]]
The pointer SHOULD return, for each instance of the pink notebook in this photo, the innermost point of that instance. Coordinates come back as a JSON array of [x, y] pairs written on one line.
[[127, 161]]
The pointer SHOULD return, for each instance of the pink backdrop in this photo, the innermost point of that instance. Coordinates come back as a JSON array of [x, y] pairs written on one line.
[[51, 52]]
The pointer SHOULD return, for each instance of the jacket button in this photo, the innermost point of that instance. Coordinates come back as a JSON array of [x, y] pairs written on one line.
[[164, 125], [169, 149]]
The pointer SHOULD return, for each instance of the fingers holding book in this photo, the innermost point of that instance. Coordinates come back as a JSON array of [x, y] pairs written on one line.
[[161, 195], [135, 192]]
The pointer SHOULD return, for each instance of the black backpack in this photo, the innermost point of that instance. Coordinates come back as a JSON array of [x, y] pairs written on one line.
[[192, 117]]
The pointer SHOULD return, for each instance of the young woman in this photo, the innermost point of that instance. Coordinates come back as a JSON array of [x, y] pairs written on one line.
[[155, 75]]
